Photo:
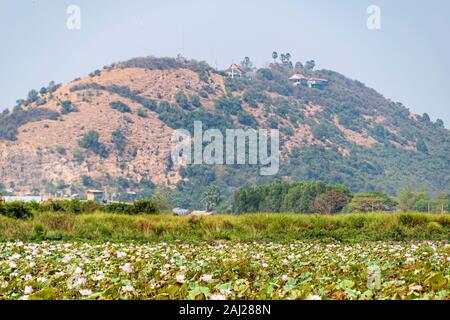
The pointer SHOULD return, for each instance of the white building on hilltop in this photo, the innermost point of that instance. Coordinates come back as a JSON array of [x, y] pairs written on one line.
[[234, 71], [299, 80]]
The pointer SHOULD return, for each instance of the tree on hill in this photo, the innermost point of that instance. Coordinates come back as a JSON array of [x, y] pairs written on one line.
[[408, 199], [274, 56], [331, 202], [371, 202], [211, 198], [310, 65], [421, 146], [32, 96], [67, 107], [298, 65], [246, 65], [91, 142]]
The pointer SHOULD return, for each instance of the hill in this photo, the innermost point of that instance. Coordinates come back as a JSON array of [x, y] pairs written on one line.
[[112, 129]]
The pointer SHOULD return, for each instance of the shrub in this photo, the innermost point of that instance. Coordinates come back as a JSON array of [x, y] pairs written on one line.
[[118, 208], [182, 100], [61, 150], [67, 107], [16, 210], [145, 207], [69, 206], [142, 113], [95, 73], [410, 220], [91, 142], [119, 140], [265, 74], [231, 105], [195, 101], [434, 227], [247, 119], [120, 106]]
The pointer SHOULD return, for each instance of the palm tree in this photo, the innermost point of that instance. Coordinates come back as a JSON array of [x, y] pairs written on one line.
[[275, 56]]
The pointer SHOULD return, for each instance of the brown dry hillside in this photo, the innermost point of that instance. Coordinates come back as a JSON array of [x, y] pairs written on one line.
[[343, 133]]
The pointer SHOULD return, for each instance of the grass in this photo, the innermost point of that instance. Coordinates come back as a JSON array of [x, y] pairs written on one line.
[[101, 227]]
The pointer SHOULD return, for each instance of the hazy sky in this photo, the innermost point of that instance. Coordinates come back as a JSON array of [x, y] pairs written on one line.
[[408, 60]]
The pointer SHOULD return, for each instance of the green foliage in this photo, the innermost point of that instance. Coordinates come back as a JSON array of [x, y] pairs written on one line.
[[247, 119], [421, 146], [265, 74], [298, 197], [20, 210], [182, 100], [310, 65], [10, 122], [120, 106], [16, 210], [331, 202], [348, 228], [91, 142], [324, 132], [87, 181], [33, 96], [142, 113], [95, 73], [119, 140], [61, 150], [231, 105], [211, 198], [67, 107], [145, 207], [118, 208], [195, 101], [371, 202], [68, 206], [138, 207], [408, 199]]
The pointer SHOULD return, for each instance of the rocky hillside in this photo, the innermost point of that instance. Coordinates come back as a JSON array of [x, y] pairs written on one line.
[[112, 130]]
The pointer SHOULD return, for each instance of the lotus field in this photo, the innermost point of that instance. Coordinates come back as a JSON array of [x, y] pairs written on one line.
[[225, 270]]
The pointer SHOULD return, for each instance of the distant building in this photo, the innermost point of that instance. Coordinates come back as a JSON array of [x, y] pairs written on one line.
[[131, 196], [317, 83], [95, 195], [299, 80], [234, 71], [181, 212], [26, 199]]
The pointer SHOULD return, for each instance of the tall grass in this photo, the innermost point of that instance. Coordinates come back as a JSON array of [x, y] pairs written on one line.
[[256, 227]]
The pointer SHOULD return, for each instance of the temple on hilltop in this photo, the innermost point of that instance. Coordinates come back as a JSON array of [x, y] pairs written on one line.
[[234, 71]]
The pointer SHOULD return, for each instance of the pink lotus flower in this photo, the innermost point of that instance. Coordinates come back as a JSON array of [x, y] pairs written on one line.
[[127, 268], [181, 278], [28, 290], [206, 277], [86, 292]]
